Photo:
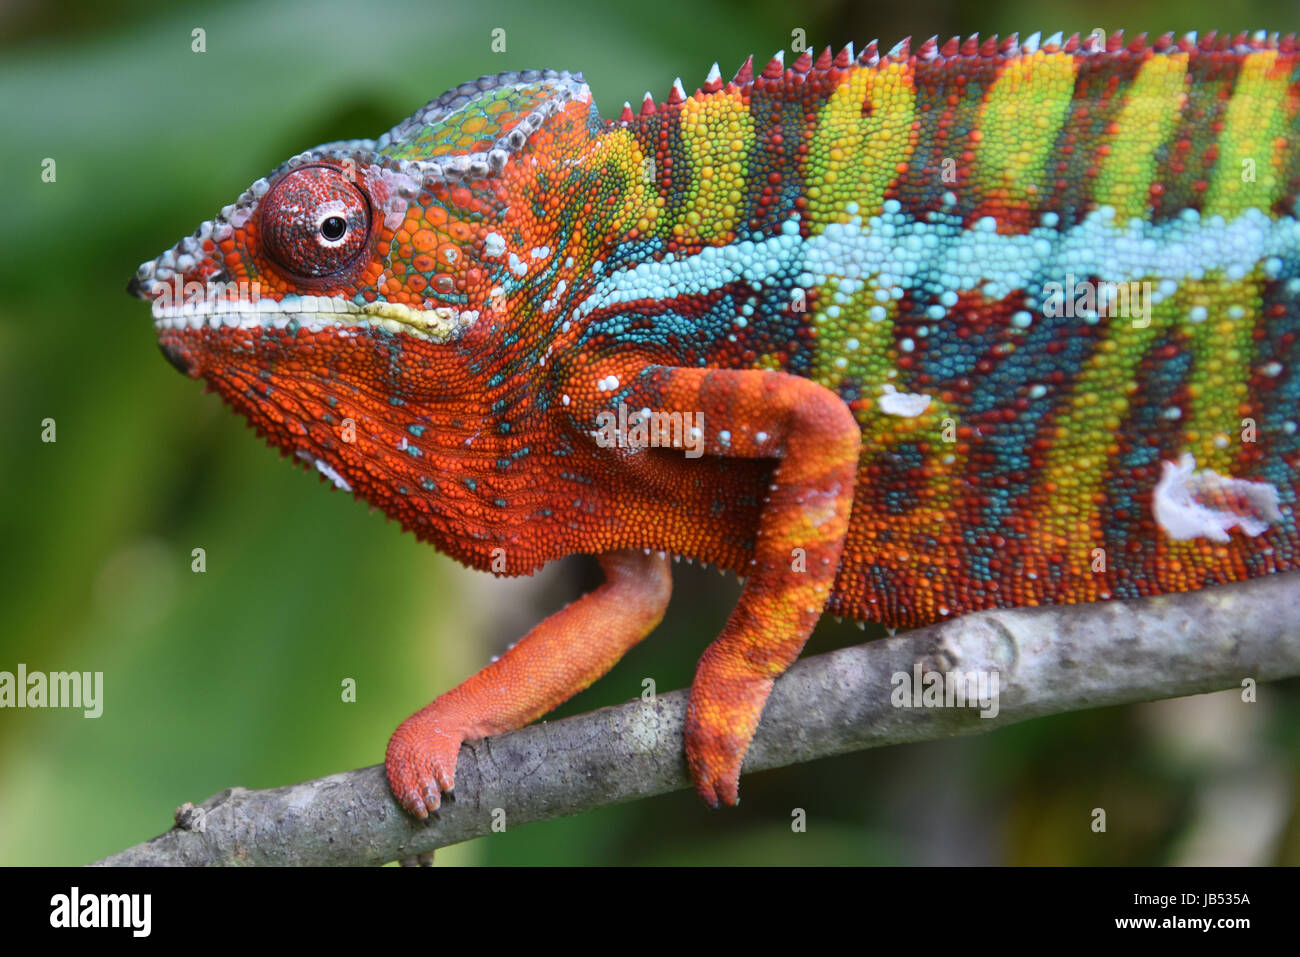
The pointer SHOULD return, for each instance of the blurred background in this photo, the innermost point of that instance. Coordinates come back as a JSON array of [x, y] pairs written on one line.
[[232, 677]]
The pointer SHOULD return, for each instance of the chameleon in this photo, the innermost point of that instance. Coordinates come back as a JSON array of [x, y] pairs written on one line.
[[895, 336]]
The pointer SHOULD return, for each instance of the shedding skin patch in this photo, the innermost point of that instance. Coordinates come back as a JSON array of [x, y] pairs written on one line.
[[1191, 504], [906, 404]]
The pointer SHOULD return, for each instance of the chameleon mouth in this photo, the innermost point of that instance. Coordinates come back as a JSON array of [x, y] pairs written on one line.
[[314, 313]]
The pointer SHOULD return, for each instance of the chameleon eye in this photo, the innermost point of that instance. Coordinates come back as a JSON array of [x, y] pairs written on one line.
[[314, 222]]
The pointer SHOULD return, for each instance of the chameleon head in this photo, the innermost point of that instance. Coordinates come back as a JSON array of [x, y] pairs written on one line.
[[400, 235], [306, 251], [341, 301]]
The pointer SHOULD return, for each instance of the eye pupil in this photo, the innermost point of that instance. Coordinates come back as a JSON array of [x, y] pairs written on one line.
[[333, 228]]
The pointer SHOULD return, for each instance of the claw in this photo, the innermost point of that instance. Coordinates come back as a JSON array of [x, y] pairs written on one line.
[[436, 796]]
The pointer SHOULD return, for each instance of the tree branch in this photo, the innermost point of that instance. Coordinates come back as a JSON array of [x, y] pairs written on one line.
[[1049, 660]]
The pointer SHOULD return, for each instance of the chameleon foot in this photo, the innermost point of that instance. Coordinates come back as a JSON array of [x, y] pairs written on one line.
[[558, 658], [421, 760], [720, 722]]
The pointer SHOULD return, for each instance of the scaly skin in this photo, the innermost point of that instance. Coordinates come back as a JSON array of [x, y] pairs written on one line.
[[845, 268]]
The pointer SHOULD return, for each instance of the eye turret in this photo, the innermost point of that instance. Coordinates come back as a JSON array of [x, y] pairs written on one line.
[[315, 222]]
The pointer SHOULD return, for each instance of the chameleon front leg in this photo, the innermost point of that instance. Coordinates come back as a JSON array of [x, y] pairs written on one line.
[[805, 516], [554, 661]]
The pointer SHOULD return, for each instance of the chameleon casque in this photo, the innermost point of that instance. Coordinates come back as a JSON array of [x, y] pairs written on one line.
[[843, 277]]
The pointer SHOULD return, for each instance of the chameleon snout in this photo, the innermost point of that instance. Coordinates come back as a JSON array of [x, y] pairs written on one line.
[[136, 287]]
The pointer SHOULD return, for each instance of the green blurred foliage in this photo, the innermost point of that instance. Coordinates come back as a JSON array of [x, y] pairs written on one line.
[[233, 676]]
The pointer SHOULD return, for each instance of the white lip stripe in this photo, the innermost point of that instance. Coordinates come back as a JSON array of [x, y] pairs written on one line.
[[898, 253], [314, 313]]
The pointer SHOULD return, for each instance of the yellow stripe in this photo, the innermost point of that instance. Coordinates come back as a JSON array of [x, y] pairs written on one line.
[[1253, 140], [1150, 110], [619, 153], [1022, 114], [863, 133], [1248, 173], [850, 346], [717, 133], [1085, 442], [1221, 349]]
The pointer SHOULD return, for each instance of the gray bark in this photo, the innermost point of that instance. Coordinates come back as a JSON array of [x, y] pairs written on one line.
[[1048, 660]]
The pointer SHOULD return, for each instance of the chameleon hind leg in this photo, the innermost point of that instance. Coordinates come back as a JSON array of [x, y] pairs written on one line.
[[815, 441], [554, 661]]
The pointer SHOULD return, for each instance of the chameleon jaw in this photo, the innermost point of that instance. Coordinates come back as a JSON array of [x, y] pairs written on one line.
[[314, 313]]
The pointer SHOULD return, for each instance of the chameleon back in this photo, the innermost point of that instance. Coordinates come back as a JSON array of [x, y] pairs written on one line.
[[1059, 288]]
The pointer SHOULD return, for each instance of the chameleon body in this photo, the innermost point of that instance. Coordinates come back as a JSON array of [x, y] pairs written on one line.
[[884, 296]]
